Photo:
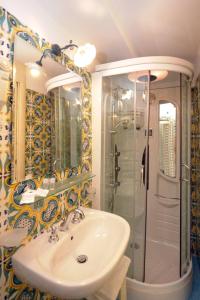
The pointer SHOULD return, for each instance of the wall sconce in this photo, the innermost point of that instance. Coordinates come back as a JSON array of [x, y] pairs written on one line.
[[35, 69], [83, 57]]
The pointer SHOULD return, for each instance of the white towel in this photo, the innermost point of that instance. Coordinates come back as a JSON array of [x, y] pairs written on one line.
[[110, 290], [28, 197]]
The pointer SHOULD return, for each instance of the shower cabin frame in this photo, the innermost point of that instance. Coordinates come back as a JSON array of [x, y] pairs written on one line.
[[124, 67]]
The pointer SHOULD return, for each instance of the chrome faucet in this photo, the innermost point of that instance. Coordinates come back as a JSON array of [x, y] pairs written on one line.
[[78, 216], [74, 217], [53, 238]]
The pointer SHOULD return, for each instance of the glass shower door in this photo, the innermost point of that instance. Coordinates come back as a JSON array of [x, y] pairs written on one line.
[[119, 143], [125, 173], [141, 174]]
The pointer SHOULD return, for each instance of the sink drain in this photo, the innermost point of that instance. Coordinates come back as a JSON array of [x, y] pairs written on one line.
[[81, 259]]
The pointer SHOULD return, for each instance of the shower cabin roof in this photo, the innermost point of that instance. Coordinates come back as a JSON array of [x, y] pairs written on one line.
[[147, 63]]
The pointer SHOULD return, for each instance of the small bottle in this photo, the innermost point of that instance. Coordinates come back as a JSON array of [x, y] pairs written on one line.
[[52, 183], [45, 184]]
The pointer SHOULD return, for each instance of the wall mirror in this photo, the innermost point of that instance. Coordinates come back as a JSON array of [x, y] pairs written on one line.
[[167, 138], [46, 115]]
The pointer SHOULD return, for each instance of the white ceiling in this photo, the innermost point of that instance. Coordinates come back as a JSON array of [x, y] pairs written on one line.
[[119, 29]]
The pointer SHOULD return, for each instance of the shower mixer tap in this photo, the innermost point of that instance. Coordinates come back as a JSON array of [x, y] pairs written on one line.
[[116, 167], [117, 153]]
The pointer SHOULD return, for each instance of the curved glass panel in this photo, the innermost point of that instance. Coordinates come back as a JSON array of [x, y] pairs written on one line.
[[146, 169], [126, 105]]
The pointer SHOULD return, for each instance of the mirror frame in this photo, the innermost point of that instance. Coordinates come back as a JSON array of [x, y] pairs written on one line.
[[16, 28]]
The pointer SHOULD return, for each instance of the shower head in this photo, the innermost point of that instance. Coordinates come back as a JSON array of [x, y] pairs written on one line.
[[144, 76]]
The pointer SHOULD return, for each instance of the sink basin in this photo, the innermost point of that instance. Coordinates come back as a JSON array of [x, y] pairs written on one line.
[[80, 262]]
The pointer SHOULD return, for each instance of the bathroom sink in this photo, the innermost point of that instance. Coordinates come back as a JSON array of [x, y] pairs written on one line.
[[80, 262]]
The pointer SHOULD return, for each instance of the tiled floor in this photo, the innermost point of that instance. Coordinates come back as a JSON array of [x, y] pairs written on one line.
[[196, 279]]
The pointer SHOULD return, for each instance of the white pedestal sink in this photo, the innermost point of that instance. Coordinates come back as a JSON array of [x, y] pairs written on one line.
[[53, 268]]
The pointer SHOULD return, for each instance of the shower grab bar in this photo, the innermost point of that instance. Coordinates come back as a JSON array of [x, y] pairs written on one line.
[[165, 197]]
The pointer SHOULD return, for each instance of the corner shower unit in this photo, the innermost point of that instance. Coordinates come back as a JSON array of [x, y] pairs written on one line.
[[141, 119]]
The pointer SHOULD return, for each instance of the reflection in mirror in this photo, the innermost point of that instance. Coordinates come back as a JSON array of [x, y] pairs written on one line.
[[167, 138], [66, 145], [37, 115]]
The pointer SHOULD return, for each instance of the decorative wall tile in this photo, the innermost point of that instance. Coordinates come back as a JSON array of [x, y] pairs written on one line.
[[195, 169], [38, 134], [2, 281], [42, 214]]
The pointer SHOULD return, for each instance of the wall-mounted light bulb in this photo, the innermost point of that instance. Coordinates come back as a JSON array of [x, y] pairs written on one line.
[[35, 72], [85, 55], [35, 69]]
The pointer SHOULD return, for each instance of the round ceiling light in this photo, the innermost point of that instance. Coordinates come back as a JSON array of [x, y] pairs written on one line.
[[142, 76], [84, 55]]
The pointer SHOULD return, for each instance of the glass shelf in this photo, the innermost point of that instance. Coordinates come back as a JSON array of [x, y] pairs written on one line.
[[61, 186]]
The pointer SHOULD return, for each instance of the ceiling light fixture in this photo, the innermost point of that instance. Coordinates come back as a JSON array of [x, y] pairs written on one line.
[[82, 58], [142, 76]]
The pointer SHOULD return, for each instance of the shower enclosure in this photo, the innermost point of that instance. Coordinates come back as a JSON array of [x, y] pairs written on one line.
[[144, 174]]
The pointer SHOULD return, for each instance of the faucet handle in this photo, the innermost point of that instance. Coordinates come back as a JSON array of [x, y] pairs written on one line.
[[80, 212], [64, 220], [54, 235], [53, 229], [78, 216]]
